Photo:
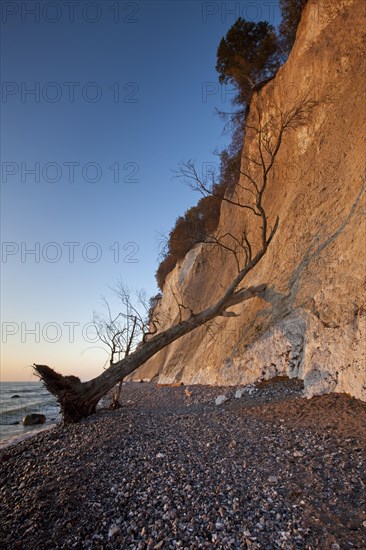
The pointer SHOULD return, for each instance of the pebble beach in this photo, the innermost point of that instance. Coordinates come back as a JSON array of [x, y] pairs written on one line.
[[171, 469]]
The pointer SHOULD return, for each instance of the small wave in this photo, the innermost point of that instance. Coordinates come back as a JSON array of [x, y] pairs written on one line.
[[30, 390], [13, 419], [29, 407], [33, 398], [14, 439]]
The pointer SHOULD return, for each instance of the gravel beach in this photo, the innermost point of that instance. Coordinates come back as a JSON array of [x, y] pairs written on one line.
[[171, 469]]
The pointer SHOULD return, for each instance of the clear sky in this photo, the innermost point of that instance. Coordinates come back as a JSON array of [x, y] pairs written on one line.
[[100, 102]]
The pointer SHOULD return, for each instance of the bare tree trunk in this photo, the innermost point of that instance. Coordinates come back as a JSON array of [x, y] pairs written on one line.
[[115, 403], [79, 399]]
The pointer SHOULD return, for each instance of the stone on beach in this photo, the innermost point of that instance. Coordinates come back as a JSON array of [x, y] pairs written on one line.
[[113, 531], [220, 399], [34, 418], [239, 393]]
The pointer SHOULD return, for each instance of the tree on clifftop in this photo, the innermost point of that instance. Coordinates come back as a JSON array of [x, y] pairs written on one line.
[[79, 399], [251, 53], [247, 55]]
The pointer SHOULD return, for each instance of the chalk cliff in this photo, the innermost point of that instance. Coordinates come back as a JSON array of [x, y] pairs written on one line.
[[311, 323]]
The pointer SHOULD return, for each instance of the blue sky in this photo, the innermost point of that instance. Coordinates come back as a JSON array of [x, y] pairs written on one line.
[[122, 93]]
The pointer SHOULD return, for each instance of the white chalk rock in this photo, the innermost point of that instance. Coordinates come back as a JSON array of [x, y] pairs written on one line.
[[220, 399]]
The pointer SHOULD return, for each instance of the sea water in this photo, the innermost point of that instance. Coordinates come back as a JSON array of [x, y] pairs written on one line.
[[17, 399]]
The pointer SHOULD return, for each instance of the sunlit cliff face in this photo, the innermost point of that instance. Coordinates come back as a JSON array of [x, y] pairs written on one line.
[[312, 321]]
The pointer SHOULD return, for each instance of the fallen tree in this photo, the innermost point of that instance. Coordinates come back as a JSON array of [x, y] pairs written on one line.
[[79, 399]]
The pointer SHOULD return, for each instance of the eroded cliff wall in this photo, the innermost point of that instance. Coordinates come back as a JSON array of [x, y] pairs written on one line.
[[312, 322]]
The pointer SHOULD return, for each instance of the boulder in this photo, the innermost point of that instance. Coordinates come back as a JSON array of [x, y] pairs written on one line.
[[34, 418]]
